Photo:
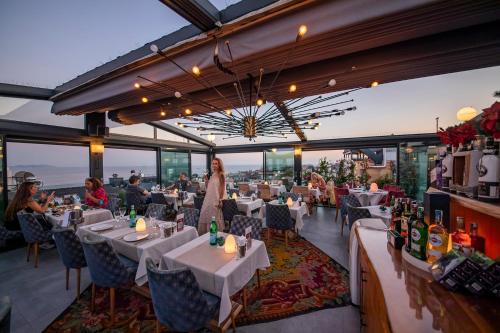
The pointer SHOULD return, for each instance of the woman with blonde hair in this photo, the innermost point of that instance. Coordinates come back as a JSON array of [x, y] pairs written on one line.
[[212, 204], [318, 182]]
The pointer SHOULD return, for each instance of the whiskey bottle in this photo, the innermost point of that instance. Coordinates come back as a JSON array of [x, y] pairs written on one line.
[[437, 244], [461, 241]]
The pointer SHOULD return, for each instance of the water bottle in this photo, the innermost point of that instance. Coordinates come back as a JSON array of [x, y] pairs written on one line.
[[132, 216], [213, 232]]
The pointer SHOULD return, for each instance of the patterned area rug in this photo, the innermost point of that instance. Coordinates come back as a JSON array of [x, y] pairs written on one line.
[[301, 279]]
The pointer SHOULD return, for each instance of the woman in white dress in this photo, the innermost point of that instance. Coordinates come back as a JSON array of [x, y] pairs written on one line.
[[216, 191]]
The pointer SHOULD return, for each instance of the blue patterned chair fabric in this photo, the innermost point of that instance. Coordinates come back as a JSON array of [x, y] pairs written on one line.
[[32, 229], [113, 204], [348, 200], [6, 234], [159, 209], [69, 248], [198, 202], [191, 216], [229, 209], [178, 300], [356, 213], [278, 217], [158, 198], [292, 195], [240, 223], [107, 269]]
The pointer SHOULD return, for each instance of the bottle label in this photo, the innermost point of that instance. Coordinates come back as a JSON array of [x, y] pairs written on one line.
[[415, 247], [435, 240], [213, 238], [415, 235]]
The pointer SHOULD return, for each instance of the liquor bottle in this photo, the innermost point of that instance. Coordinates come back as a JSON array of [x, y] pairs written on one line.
[[461, 241], [396, 216], [476, 241], [419, 236], [411, 219], [213, 232], [393, 202], [404, 222], [132, 216], [437, 245]]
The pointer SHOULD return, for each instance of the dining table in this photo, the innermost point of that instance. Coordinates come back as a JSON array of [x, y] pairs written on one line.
[[368, 198], [384, 215], [217, 272], [275, 189], [297, 212], [152, 246], [90, 216], [248, 205]]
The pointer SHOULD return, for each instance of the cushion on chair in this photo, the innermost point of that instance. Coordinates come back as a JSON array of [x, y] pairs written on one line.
[[69, 248], [32, 229]]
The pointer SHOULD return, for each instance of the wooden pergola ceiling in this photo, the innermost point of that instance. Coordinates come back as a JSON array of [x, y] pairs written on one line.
[[387, 44]]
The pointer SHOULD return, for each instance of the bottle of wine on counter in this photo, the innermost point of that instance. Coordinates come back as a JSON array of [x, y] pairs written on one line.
[[213, 232], [419, 236], [437, 245], [476, 241], [405, 218], [461, 241]]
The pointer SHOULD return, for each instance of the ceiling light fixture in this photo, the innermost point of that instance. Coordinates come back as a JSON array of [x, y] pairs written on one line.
[[137, 85], [292, 88], [144, 100], [196, 70], [374, 84], [302, 30], [188, 111]]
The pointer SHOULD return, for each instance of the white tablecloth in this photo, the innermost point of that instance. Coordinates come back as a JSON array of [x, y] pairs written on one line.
[[190, 199], [383, 215], [230, 278], [248, 205], [354, 276], [141, 250], [315, 192], [89, 217], [367, 198], [297, 213], [275, 190]]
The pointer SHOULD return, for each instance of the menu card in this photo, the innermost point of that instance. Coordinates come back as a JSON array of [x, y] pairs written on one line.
[[180, 222], [248, 236]]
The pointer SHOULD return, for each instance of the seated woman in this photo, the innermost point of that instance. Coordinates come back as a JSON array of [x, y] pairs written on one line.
[[95, 195], [318, 182], [23, 200]]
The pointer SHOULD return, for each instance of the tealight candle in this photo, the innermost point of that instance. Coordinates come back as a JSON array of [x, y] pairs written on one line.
[[77, 207], [230, 244], [310, 185], [373, 187], [140, 225], [234, 196], [289, 202], [266, 183]]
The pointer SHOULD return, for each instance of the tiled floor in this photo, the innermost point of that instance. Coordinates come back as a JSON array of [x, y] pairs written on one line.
[[38, 295]]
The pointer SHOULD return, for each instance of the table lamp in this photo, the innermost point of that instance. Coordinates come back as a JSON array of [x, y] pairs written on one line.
[[373, 187], [289, 202], [140, 225], [230, 244], [266, 183], [234, 196]]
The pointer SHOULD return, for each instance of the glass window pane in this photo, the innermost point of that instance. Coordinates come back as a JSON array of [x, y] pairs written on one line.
[[413, 166], [172, 165], [2, 203], [198, 164], [142, 130], [164, 135], [120, 164], [243, 166], [279, 165], [58, 167]]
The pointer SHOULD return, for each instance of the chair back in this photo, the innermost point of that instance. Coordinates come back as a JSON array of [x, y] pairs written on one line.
[[106, 269], [159, 209], [5, 313], [240, 223], [114, 203], [158, 198], [278, 217], [244, 187], [191, 216], [134, 200], [292, 195], [233, 190], [356, 213], [229, 209], [264, 191], [178, 300], [395, 194], [389, 187], [69, 248], [32, 229], [198, 202], [337, 192], [348, 200]]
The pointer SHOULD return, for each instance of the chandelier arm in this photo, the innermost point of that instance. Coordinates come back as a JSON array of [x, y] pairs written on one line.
[[325, 106]]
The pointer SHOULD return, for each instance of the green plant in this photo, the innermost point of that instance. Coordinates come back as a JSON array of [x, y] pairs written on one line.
[[344, 173], [325, 169], [364, 177], [384, 180]]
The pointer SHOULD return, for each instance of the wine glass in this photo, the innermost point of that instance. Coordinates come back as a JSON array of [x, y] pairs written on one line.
[[122, 211]]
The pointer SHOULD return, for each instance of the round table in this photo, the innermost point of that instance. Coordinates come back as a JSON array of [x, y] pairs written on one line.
[[367, 198]]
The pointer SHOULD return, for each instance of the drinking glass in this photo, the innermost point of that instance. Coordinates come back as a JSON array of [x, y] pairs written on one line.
[[153, 223], [123, 211]]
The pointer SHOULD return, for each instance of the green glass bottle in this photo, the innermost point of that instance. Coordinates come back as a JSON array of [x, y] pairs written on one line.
[[132, 217], [419, 236], [213, 232]]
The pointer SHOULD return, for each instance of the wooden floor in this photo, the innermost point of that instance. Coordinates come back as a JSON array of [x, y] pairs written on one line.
[[39, 295]]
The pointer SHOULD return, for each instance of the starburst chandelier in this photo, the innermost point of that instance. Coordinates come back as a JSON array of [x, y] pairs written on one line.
[[255, 118]]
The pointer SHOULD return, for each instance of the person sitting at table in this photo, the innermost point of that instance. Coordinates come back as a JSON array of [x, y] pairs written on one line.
[[95, 195], [23, 200], [318, 182], [135, 194], [182, 183]]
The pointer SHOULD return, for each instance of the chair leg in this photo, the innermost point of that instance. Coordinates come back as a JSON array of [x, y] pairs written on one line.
[[78, 280], [92, 300], [67, 278], [112, 304], [258, 278], [342, 226], [286, 239], [336, 214], [245, 298], [233, 321], [37, 248], [268, 234], [28, 252]]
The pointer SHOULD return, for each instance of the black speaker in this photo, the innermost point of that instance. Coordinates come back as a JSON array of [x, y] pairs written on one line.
[[437, 200]]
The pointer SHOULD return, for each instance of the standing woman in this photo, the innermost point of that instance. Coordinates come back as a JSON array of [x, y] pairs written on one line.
[[95, 195], [216, 191]]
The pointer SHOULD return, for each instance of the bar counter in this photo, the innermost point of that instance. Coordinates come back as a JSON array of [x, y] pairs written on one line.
[[397, 297]]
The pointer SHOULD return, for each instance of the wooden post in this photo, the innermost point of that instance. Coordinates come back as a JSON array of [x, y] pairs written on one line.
[[112, 304]]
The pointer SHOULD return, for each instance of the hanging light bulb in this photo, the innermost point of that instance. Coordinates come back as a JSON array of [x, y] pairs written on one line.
[[211, 137], [260, 101], [188, 111], [332, 82], [153, 48], [292, 88], [196, 70], [228, 112], [177, 94], [137, 85], [374, 84], [181, 125], [302, 30], [274, 150], [163, 113], [144, 99]]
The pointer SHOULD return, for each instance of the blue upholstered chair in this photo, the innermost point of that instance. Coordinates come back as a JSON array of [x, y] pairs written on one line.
[[113, 204], [240, 223], [292, 195], [158, 198], [345, 200], [198, 202], [191, 216], [133, 200], [71, 253], [229, 210], [5, 311], [33, 233], [107, 269], [178, 301], [159, 209], [356, 213], [278, 218]]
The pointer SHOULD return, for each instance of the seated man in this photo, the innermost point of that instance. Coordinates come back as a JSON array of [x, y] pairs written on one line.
[[135, 194], [182, 183]]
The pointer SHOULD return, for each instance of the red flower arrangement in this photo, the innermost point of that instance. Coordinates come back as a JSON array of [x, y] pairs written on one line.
[[490, 120], [459, 134]]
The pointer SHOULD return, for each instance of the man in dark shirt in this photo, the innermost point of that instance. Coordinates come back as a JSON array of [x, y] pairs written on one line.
[[134, 193], [182, 183]]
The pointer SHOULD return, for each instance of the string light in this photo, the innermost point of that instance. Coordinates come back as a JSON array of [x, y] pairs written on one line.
[[137, 85], [292, 88], [332, 82], [177, 94], [211, 137], [260, 101], [188, 111], [144, 99], [163, 113], [228, 112], [302, 30], [196, 70], [274, 150], [374, 84]]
